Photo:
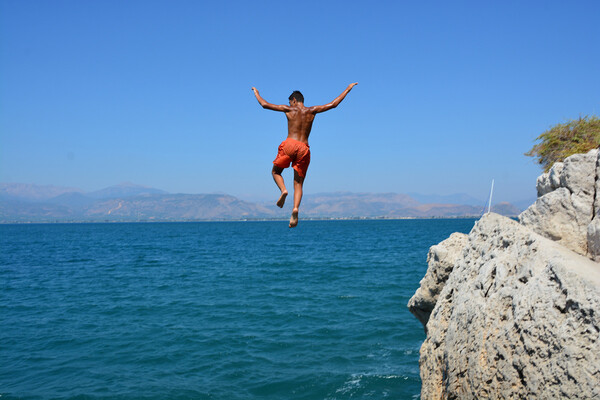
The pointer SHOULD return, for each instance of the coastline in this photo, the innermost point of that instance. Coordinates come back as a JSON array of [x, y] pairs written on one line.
[[166, 221]]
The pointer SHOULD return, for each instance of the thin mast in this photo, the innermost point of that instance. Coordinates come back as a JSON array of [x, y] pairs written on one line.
[[491, 193]]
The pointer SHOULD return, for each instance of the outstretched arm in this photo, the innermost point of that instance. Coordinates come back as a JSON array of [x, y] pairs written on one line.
[[334, 103], [268, 105]]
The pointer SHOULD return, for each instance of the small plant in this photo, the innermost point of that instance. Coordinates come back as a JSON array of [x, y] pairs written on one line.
[[560, 141]]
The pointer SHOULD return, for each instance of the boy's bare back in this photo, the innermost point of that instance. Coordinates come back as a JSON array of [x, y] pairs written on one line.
[[300, 120]]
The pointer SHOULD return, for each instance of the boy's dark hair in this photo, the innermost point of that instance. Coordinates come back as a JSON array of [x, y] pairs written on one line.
[[297, 95]]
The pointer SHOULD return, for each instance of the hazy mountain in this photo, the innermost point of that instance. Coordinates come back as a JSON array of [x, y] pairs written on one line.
[[126, 189], [72, 199], [129, 202], [25, 211], [176, 207], [507, 209], [346, 204], [457, 198], [169, 207], [30, 192]]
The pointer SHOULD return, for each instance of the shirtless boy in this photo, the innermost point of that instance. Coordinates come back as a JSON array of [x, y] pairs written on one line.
[[295, 148]]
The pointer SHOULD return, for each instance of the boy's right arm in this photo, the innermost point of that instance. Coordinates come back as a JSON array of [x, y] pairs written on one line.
[[268, 105]]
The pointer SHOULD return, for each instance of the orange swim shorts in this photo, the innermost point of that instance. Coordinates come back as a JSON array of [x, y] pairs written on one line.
[[295, 152]]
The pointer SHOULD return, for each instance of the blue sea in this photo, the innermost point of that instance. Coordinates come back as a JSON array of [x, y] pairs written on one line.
[[213, 310]]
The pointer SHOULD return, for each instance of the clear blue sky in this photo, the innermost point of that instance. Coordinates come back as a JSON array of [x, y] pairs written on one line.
[[450, 94]]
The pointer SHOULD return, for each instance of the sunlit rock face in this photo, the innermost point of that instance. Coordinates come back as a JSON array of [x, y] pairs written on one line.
[[441, 260], [567, 203], [513, 309]]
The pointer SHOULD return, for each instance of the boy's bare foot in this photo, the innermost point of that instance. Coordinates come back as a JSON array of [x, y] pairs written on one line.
[[281, 200], [294, 219]]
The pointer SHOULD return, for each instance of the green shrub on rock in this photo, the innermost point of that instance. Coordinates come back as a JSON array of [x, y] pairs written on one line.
[[562, 140]]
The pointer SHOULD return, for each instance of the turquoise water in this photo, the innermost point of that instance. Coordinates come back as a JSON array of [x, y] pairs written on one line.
[[224, 310]]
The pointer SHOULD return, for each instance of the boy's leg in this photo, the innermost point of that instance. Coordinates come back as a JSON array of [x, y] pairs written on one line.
[[298, 184], [276, 172]]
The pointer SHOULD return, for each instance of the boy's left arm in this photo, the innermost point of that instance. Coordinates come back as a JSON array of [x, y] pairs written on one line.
[[334, 103]]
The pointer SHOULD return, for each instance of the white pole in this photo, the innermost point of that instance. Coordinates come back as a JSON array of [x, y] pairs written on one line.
[[491, 193]]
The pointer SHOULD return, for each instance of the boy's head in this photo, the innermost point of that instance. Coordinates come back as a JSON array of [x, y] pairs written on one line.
[[296, 95]]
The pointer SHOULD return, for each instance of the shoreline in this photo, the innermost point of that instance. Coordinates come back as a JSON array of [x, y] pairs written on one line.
[[157, 221]]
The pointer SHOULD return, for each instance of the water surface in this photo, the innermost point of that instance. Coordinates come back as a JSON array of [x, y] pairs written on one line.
[[223, 310]]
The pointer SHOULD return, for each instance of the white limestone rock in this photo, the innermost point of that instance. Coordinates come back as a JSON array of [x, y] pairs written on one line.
[[519, 312], [597, 187], [593, 238], [549, 181], [566, 201], [554, 216], [579, 173], [440, 259], [593, 231], [518, 317]]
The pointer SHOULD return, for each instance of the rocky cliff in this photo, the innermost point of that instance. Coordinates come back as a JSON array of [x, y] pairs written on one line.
[[513, 309]]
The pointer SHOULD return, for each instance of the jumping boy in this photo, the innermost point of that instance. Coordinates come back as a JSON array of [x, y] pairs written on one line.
[[295, 149]]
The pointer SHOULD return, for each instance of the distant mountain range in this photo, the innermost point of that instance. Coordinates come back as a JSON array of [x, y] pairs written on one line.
[[459, 198], [131, 202]]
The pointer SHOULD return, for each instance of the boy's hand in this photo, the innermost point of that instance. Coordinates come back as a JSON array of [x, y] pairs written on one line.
[[350, 86]]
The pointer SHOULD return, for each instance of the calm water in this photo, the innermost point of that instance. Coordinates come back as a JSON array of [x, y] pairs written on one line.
[[225, 310]]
